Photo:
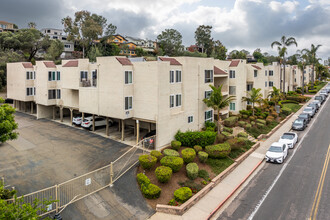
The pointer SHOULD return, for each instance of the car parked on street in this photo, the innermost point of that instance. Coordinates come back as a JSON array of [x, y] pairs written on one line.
[[324, 93], [310, 111], [305, 116], [325, 90], [299, 124], [277, 152], [314, 105], [317, 102], [99, 122], [289, 138], [319, 98]]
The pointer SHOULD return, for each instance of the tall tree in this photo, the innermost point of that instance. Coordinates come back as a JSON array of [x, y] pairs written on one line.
[[235, 54], [217, 101], [32, 25], [276, 95], [55, 50], [313, 59], [282, 49], [203, 38], [170, 41], [220, 51], [253, 96], [303, 57], [8, 125]]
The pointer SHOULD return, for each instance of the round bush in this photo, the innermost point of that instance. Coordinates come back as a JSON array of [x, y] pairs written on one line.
[[227, 135], [150, 191], [163, 174], [253, 123], [245, 116], [248, 125], [218, 151], [221, 138], [147, 161], [252, 118], [241, 123], [259, 125], [261, 121], [231, 121], [202, 156], [176, 145], [234, 145], [142, 179], [170, 152], [229, 130], [175, 163], [192, 170], [156, 154], [182, 194], [242, 134], [188, 155], [242, 141], [197, 148], [270, 119]]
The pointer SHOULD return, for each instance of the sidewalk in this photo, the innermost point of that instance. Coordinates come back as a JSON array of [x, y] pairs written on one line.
[[203, 208]]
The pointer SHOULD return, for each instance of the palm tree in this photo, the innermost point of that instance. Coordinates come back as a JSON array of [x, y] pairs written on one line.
[[282, 50], [253, 96], [276, 95], [312, 56], [301, 65], [217, 101]]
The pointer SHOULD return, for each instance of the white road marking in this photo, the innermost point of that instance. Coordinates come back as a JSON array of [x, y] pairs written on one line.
[[284, 167]]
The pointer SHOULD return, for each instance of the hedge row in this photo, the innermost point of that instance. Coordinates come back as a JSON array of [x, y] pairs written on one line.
[[192, 138]]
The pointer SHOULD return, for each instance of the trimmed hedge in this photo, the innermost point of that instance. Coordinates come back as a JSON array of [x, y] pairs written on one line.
[[150, 191], [182, 194], [245, 116], [286, 111], [261, 121], [229, 130], [259, 125], [227, 135], [252, 118], [241, 123], [234, 144], [175, 163], [156, 154], [188, 155], [163, 174], [312, 91], [142, 179], [202, 156], [192, 170], [242, 134], [197, 148], [288, 101], [147, 161], [270, 119], [221, 138], [253, 123], [170, 152], [248, 125], [231, 121], [218, 151], [192, 138], [176, 145], [245, 112], [299, 99]]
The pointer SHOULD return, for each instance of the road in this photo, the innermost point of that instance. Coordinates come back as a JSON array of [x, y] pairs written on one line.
[[288, 190]]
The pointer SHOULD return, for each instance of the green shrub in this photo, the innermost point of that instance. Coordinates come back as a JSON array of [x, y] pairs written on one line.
[[298, 91], [202, 156], [170, 152], [142, 179], [163, 174], [245, 116], [192, 170], [231, 121], [210, 124], [175, 145], [227, 135], [312, 91], [245, 112], [234, 145], [241, 123], [288, 101], [242, 134], [299, 99], [286, 111], [188, 155], [192, 138], [197, 148], [270, 119], [242, 141], [259, 125], [261, 121], [271, 103], [229, 130], [253, 123], [248, 125], [264, 115], [218, 151], [175, 163], [210, 129], [156, 154], [150, 191], [252, 118], [147, 161], [203, 174], [182, 194], [221, 138]]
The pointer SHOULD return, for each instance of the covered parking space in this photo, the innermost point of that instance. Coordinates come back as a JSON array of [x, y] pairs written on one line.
[[28, 107]]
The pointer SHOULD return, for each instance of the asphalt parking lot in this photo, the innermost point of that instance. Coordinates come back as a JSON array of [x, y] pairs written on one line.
[[48, 153]]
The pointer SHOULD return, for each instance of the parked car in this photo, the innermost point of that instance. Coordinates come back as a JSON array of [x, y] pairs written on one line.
[[325, 90], [277, 152], [305, 116], [99, 121], [299, 124], [314, 105], [289, 138], [324, 93], [319, 98], [310, 111], [77, 119], [317, 102]]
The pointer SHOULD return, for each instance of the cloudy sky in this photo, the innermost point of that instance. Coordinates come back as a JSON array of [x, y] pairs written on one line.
[[238, 24]]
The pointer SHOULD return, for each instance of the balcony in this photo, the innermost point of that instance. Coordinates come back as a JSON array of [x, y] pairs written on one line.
[[85, 83]]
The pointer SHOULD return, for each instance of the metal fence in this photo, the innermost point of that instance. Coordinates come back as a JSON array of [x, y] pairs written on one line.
[[89, 183]]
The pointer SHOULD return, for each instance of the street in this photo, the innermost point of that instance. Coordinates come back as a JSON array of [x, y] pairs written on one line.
[[294, 189]]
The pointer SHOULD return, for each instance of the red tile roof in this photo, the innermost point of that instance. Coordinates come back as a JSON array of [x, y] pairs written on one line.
[[257, 67], [50, 64], [172, 60], [124, 61], [71, 63], [234, 63], [27, 65], [218, 71]]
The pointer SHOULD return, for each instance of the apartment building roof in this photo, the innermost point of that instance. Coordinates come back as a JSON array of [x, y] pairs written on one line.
[[124, 61], [50, 64], [71, 63], [4, 22], [218, 71], [257, 67], [234, 63], [27, 65], [172, 60]]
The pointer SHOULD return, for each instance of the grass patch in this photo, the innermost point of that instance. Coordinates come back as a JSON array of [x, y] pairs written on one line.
[[293, 107], [219, 165]]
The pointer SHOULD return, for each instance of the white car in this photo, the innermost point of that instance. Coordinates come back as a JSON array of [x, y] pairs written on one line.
[[277, 152], [323, 93], [289, 138], [99, 121], [77, 119], [317, 102]]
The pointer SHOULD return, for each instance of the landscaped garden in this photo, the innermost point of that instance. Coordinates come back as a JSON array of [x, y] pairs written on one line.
[[311, 90]]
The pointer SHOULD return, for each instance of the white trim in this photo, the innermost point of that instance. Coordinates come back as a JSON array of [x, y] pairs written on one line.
[[172, 95], [125, 103], [180, 100], [180, 76], [127, 77], [173, 76]]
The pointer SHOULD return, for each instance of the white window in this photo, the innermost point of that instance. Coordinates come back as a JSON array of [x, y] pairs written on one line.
[[265, 72], [208, 76], [171, 76], [128, 103], [83, 75], [271, 72], [208, 94], [232, 90], [66, 45], [178, 100], [249, 87], [58, 75], [58, 93], [232, 106], [232, 74], [190, 119], [51, 75], [128, 77], [270, 83], [265, 83], [52, 94], [171, 101], [30, 91], [30, 75], [178, 76], [209, 115], [255, 73]]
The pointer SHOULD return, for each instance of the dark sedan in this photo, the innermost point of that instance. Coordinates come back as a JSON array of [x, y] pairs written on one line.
[[299, 124]]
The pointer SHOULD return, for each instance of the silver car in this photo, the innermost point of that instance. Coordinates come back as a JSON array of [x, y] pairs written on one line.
[[310, 111], [316, 102]]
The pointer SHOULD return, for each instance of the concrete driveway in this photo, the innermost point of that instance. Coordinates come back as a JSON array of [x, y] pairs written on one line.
[[48, 153]]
